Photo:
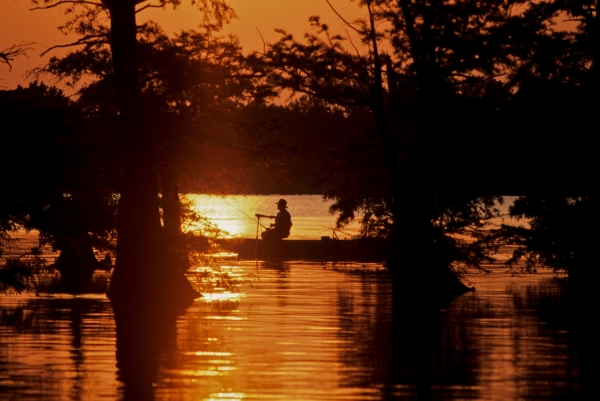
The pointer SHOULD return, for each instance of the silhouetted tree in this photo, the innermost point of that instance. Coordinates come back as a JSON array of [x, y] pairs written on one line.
[[293, 147], [557, 232], [555, 102], [142, 260], [57, 184], [437, 56], [546, 106], [194, 83]]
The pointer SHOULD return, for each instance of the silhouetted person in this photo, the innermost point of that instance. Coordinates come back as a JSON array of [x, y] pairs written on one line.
[[283, 223]]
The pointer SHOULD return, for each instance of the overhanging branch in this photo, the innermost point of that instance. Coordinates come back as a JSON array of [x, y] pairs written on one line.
[[148, 6], [15, 51], [59, 3], [83, 41], [342, 18], [263, 41]]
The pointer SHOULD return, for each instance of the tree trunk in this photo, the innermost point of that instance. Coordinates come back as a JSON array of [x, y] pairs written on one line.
[[141, 270], [415, 261], [76, 263], [171, 213], [171, 205]]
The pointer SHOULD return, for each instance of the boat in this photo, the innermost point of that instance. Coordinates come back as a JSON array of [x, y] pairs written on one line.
[[325, 249]]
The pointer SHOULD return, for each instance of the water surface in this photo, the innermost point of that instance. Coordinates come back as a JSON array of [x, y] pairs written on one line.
[[303, 331]]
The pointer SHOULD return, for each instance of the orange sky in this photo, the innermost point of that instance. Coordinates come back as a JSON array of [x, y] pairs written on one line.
[[18, 24]]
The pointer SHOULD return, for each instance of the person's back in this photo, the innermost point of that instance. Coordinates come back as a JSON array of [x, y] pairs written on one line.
[[283, 223], [282, 226]]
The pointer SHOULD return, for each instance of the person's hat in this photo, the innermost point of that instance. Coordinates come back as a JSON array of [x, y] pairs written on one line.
[[282, 202]]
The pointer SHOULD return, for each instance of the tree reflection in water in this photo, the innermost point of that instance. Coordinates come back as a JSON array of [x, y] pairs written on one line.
[[305, 331], [55, 348], [145, 334], [520, 342]]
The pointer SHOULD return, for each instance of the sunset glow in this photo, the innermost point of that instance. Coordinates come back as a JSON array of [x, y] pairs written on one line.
[[235, 214], [294, 200], [40, 27]]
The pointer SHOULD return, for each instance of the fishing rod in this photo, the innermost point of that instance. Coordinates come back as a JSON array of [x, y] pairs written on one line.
[[258, 216], [338, 230]]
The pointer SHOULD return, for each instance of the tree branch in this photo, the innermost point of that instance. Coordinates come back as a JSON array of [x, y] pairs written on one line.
[[263, 41], [61, 2], [13, 52], [352, 43], [342, 18], [149, 6], [82, 41]]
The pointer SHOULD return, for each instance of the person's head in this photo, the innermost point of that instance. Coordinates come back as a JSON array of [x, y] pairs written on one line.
[[281, 204]]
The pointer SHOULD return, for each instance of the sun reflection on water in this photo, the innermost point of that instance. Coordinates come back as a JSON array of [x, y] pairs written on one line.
[[211, 353], [226, 397], [206, 372], [223, 296]]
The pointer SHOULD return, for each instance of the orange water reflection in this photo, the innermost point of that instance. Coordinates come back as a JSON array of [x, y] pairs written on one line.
[[304, 331]]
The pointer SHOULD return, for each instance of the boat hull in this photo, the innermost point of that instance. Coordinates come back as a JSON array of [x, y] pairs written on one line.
[[365, 250]]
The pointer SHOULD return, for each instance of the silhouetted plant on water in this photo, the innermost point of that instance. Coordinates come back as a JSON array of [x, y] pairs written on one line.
[[22, 273], [142, 258], [196, 241], [73, 203], [558, 233], [440, 68], [58, 185], [404, 179], [438, 82], [554, 102]]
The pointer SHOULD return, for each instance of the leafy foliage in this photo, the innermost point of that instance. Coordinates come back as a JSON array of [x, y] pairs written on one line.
[[58, 185], [192, 85], [557, 233], [438, 84], [184, 81], [21, 274], [422, 71]]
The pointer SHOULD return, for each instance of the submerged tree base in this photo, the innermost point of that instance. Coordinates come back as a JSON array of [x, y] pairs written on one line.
[[430, 282], [76, 267], [146, 309], [146, 273], [154, 289]]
